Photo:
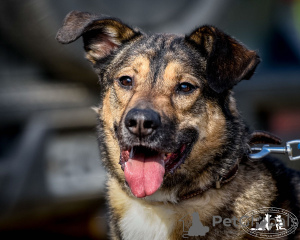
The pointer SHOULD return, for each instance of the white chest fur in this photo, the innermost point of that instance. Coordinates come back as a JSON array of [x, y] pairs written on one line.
[[147, 222]]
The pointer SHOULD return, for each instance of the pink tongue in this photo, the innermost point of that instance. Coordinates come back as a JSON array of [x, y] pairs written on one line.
[[144, 174]]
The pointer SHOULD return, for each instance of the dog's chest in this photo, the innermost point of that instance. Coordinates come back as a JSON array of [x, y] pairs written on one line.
[[147, 222]]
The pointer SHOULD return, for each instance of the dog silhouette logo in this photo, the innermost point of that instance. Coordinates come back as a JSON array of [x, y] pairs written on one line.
[[197, 228], [264, 224]]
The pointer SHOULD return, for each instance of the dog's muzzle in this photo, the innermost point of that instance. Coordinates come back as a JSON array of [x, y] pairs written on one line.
[[148, 151]]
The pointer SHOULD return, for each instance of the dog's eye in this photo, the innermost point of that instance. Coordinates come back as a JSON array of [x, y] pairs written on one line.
[[125, 81], [185, 87]]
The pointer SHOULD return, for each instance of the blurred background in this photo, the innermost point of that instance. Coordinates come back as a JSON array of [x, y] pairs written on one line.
[[52, 183]]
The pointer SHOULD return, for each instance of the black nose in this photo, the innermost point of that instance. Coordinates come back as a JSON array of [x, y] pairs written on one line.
[[142, 122]]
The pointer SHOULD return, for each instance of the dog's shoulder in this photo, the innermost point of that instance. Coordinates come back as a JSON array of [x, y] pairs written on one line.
[[287, 181]]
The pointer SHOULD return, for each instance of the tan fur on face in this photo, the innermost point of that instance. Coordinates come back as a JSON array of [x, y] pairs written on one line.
[[139, 68], [109, 114], [167, 99], [139, 71], [117, 101], [174, 73], [212, 135], [162, 97]]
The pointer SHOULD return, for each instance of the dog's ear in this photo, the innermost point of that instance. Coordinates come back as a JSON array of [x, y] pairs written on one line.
[[228, 61], [101, 35]]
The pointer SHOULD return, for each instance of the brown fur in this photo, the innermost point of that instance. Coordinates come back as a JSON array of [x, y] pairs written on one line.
[[204, 120]]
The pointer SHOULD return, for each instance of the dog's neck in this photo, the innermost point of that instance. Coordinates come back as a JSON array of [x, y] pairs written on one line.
[[257, 137], [176, 196], [220, 181]]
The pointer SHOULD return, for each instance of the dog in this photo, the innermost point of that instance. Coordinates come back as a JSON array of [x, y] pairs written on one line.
[[170, 135]]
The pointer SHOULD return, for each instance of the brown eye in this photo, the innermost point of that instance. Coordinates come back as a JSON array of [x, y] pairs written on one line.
[[125, 81], [185, 87]]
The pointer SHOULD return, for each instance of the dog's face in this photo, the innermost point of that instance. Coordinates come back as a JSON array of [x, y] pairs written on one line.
[[166, 110]]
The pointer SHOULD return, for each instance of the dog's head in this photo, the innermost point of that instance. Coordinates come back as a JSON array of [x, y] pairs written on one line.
[[166, 112]]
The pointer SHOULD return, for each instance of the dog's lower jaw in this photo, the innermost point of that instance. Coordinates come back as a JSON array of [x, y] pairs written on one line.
[[164, 196]]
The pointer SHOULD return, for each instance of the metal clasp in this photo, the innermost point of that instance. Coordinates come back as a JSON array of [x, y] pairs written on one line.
[[266, 149]]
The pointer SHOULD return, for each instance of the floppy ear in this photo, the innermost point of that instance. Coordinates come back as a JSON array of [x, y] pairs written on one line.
[[228, 61], [101, 35]]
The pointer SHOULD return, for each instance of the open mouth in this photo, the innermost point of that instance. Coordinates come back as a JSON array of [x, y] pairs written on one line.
[[144, 168]]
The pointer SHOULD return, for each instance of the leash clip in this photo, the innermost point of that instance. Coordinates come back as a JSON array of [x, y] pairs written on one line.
[[266, 149]]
